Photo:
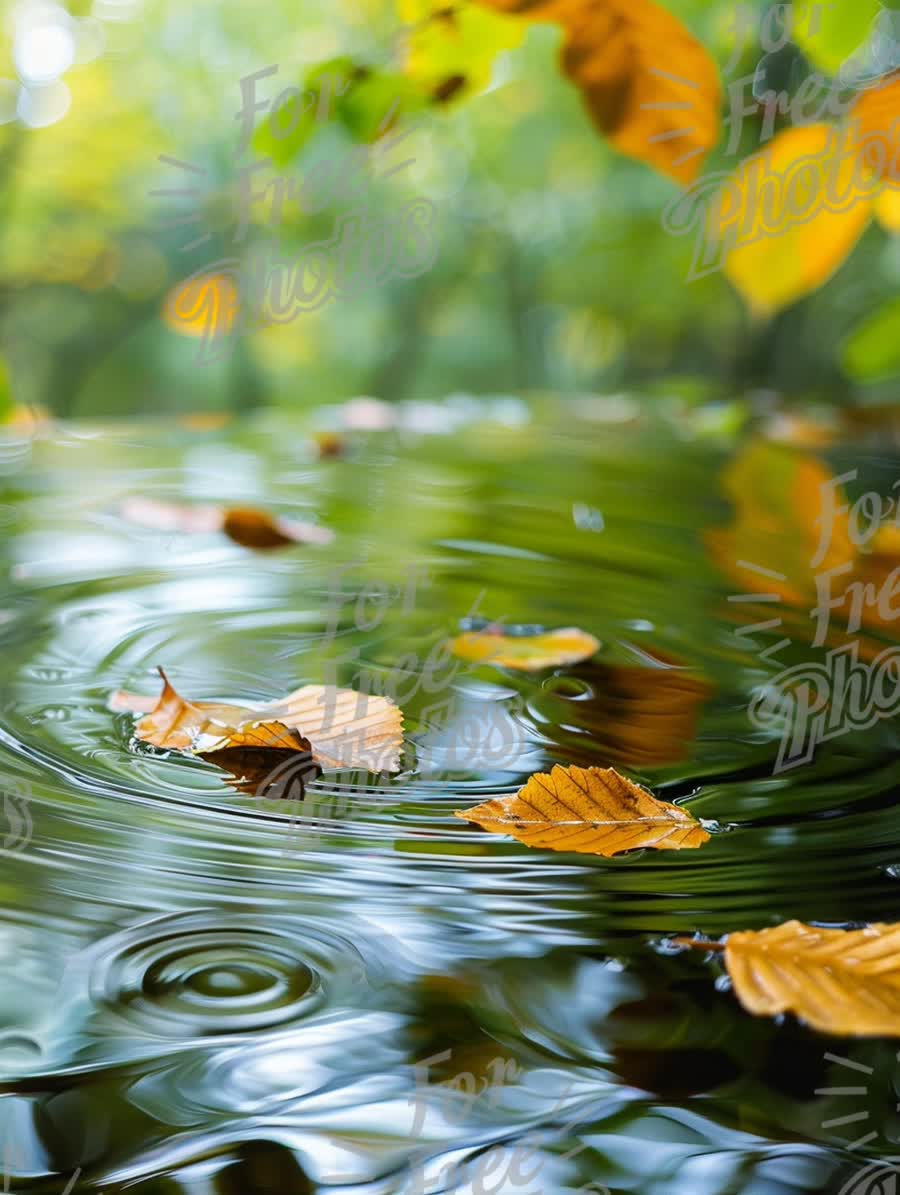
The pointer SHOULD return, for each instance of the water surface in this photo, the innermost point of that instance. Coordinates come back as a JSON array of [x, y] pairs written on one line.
[[207, 993]]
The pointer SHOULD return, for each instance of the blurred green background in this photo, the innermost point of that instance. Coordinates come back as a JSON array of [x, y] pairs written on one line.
[[553, 271]]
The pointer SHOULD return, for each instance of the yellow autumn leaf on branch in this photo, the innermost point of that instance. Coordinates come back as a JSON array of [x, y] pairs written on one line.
[[792, 213], [875, 113], [592, 811], [887, 209], [450, 51], [845, 982], [651, 88]]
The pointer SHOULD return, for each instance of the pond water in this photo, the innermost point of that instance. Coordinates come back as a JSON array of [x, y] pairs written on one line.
[[206, 992]]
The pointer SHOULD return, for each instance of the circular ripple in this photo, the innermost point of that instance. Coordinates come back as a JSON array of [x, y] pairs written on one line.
[[204, 973]]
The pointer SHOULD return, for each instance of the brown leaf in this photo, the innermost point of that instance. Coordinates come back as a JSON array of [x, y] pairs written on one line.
[[272, 774], [178, 725], [649, 85], [346, 729], [845, 982], [255, 529], [525, 653], [592, 811], [247, 526]]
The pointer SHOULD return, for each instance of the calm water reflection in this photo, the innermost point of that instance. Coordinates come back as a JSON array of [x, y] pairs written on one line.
[[205, 993]]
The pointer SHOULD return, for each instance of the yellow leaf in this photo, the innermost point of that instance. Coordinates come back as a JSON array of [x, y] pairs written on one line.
[[202, 307], [525, 653], [592, 811], [792, 244], [451, 50], [887, 209], [348, 729], [845, 982], [651, 88]]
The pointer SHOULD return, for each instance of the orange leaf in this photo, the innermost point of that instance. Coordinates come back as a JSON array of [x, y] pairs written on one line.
[[876, 111], [202, 306], [178, 725], [349, 729], [592, 811], [651, 88], [845, 982]]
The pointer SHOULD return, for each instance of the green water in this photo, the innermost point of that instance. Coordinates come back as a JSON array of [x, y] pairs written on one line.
[[204, 992]]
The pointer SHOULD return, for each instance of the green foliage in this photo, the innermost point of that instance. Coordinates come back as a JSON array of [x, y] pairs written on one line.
[[553, 270], [872, 351]]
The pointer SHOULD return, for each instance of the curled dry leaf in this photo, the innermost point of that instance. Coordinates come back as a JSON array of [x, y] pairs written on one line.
[[845, 982], [341, 728], [661, 108], [526, 653], [247, 526], [592, 811]]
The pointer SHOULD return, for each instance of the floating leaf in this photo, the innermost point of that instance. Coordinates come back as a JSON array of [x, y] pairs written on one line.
[[347, 729], [592, 811], [247, 526], [526, 653], [841, 981], [661, 108], [775, 268]]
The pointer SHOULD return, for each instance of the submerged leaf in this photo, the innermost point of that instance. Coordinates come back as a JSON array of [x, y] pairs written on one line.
[[659, 107], [592, 811], [346, 729], [526, 653], [845, 982]]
